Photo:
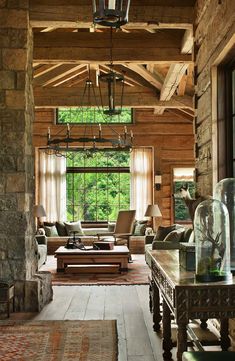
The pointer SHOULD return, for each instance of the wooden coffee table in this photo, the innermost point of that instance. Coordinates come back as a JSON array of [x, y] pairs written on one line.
[[117, 256]]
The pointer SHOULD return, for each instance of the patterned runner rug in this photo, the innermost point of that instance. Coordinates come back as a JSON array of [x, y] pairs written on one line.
[[137, 274], [58, 340]]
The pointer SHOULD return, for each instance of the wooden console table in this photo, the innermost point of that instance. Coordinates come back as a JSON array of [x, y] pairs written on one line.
[[187, 299]]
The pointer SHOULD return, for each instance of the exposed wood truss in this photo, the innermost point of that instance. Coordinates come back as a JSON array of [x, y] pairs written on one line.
[[153, 50]]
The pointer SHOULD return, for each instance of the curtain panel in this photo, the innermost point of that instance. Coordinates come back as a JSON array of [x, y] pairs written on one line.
[[52, 186], [141, 168]]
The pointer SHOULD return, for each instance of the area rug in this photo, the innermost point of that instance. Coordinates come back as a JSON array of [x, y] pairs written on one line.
[[58, 340], [137, 274]]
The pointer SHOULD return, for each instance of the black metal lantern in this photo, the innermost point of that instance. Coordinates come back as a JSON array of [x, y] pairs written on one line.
[[112, 13], [111, 79]]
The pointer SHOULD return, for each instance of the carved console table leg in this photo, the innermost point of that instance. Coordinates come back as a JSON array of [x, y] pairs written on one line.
[[156, 308], [167, 343], [181, 340], [225, 340]]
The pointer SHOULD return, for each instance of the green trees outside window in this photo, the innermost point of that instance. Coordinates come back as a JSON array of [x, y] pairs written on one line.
[[98, 185], [91, 115]]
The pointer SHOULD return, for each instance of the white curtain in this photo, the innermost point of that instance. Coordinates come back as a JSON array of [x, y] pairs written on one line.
[[141, 180], [52, 186]]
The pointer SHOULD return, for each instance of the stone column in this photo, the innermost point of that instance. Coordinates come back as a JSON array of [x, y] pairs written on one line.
[[18, 259]]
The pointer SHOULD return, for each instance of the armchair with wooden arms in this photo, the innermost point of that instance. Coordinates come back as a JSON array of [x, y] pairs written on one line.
[[123, 228]]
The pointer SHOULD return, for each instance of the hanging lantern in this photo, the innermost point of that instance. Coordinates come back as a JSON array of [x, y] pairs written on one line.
[[114, 97], [112, 13]]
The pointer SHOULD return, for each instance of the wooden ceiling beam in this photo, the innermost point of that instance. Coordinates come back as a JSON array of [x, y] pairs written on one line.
[[134, 97], [187, 42], [120, 40], [70, 55], [172, 80], [154, 79], [70, 13]]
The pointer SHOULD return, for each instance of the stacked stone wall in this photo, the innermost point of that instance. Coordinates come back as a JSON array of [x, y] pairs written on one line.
[[18, 259], [214, 21]]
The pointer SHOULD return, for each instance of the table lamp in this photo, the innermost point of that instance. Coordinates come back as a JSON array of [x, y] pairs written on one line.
[[154, 212], [39, 212]]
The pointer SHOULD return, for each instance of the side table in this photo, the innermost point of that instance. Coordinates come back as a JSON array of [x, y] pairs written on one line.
[[7, 294]]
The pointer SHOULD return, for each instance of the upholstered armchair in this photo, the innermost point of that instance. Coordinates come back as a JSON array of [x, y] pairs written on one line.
[[123, 228]]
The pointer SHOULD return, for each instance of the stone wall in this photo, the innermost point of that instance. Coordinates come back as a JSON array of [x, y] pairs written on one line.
[[18, 260], [214, 26]]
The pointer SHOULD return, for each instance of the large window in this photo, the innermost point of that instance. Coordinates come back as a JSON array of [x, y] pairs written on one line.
[[92, 115], [182, 177], [98, 185]]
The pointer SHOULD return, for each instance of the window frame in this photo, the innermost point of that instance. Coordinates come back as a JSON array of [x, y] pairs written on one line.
[[94, 123], [99, 170], [225, 128], [180, 165]]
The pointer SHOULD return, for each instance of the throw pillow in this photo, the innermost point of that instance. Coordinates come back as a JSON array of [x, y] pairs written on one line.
[[74, 227], [162, 232], [51, 231], [61, 229], [111, 227], [140, 228], [174, 236]]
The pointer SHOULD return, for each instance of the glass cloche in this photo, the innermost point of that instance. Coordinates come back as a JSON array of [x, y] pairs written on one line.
[[212, 242], [225, 192]]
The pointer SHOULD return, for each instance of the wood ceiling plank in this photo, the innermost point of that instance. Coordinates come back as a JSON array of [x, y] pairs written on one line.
[[56, 72], [120, 40], [134, 97], [68, 77], [43, 69], [70, 55], [72, 13], [64, 73], [171, 82]]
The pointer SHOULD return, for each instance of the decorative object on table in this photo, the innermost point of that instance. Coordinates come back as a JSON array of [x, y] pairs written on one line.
[[153, 211], [74, 242], [225, 192], [103, 245], [39, 212], [187, 256], [211, 227]]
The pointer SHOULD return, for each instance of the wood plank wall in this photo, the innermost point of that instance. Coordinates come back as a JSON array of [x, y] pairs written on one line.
[[170, 135], [214, 28]]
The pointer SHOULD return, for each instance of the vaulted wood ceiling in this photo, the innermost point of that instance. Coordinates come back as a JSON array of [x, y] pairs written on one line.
[[154, 51]]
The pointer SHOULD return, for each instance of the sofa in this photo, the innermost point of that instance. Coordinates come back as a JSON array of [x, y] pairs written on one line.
[[169, 237], [41, 249], [57, 234]]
